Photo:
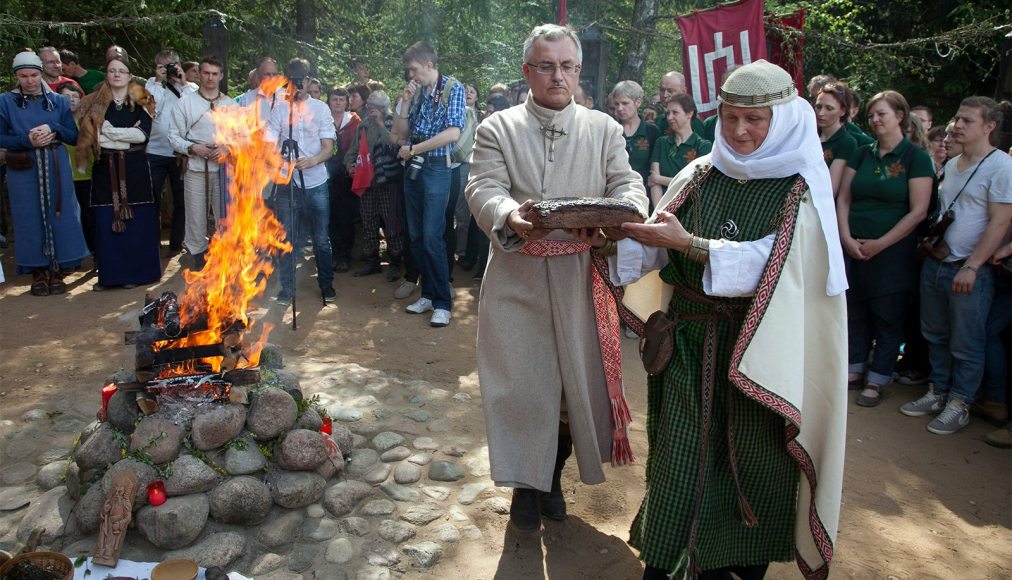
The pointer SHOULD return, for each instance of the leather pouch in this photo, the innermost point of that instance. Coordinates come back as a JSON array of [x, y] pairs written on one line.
[[19, 160], [657, 344]]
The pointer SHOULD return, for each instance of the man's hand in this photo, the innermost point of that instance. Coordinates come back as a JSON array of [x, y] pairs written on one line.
[[666, 232], [517, 221], [209, 152], [964, 281], [593, 237], [1001, 253], [404, 153], [409, 92], [615, 233], [305, 162]]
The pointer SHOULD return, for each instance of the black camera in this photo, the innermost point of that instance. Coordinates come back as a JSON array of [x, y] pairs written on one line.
[[407, 75], [172, 70], [415, 167]]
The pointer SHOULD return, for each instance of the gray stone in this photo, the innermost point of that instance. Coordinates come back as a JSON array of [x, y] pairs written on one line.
[[244, 461], [345, 414], [382, 555], [68, 425], [73, 479], [373, 573], [423, 513], [240, 500], [214, 551], [425, 444], [469, 494], [355, 526], [340, 551], [454, 451], [366, 401], [281, 529], [51, 475], [387, 440], [301, 450], [176, 523], [122, 410], [286, 381], [378, 507], [320, 530], [333, 465], [273, 412], [498, 504], [50, 511], [295, 489], [447, 533], [191, 475], [34, 415], [14, 498], [158, 437], [407, 473], [478, 466], [344, 438], [399, 492], [457, 514], [266, 563], [309, 420], [445, 471], [98, 450], [341, 498], [436, 492], [271, 357], [420, 459], [51, 455], [425, 554], [315, 511], [330, 574], [396, 532], [418, 416], [416, 399], [378, 474], [14, 473], [471, 532], [214, 426], [358, 440], [88, 511], [145, 475], [120, 376], [399, 453], [361, 462], [462, 397]]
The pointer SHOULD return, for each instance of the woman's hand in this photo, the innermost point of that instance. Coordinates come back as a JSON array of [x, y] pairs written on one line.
[[1001, 253], [665, 232], [871, 248], [852, 247], [517, 221], [593, 237]]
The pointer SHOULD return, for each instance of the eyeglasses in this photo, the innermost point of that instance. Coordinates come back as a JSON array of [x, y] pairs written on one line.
[[548, 68], [118, 71]]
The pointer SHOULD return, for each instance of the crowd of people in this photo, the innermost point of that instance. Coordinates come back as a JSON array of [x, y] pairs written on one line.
[[901, 259]]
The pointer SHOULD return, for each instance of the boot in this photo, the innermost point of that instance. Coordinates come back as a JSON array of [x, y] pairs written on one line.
[[524, 514], [394, 270], [553, 504], [56, 283], [198, 262], [372, 266]]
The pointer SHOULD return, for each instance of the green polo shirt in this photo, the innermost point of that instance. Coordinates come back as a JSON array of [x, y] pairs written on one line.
[[672, 158], [840, 146], [89, 79], [860, 136], [709, 131], [639, 145], [879, 194], [697, 125]]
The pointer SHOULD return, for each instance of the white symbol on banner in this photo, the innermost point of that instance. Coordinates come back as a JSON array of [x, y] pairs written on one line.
[[719, 52]]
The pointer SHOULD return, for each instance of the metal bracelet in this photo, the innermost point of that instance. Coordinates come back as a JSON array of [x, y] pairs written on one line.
[[698, 250], [610, 248]]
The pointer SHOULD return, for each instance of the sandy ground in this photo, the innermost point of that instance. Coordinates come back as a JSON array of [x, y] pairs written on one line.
[[916, 505]]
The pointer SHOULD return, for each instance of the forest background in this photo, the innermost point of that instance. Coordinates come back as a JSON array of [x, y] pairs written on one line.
[[933, 52]]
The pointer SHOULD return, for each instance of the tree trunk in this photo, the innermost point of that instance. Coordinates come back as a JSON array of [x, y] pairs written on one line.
[[305, 21], [644, 22]]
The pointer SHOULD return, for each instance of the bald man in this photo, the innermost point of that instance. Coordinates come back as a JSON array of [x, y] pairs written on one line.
[[673, 83]]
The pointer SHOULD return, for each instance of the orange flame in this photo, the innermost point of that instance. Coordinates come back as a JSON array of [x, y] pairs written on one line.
[[239, 257]]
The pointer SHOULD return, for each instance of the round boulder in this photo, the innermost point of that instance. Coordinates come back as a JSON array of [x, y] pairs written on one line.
[[344, 438], [175, 523], [295, 489], [273, 412], [145, 475], [191, 475], [122, 411], [309, 420], [244, 461], [89, 509], [158, 437], [213, 427], [99, 450], [341, 498], [302, 450], [271, 357], [240, 500]]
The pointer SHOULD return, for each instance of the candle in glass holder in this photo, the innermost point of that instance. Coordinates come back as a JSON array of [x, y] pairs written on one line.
[[156, 493], [328, 426], [107, 392]]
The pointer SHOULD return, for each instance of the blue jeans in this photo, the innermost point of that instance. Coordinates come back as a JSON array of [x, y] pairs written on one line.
[[425, 200], [996, 368], [955, 326], [313, 213], [879, 319]]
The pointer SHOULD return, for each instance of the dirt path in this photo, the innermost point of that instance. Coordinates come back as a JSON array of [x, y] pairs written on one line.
[[915, 505]]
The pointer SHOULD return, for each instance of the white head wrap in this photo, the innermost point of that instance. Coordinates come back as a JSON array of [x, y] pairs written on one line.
[[791, 146]]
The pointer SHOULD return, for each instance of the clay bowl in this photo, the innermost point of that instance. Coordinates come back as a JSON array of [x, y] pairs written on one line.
[[175, 570]]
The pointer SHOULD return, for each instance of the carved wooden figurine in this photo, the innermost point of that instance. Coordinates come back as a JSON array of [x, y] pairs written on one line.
[[116, 515]]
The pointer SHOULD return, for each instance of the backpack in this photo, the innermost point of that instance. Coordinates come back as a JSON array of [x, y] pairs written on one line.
[[462, 149]]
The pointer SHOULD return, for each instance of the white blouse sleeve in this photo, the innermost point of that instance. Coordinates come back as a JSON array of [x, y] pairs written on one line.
[[633, 260], [734, 268]]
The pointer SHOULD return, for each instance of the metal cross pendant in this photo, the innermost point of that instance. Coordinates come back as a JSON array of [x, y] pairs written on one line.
[[552, 133]]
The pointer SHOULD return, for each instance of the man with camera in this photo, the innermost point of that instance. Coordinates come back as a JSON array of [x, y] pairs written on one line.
[[431, 113], [267, 68], [167, 87], [191, 133], [304, 129]]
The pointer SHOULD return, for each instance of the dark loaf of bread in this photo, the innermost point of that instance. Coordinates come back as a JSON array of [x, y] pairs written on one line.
[[583, 212]]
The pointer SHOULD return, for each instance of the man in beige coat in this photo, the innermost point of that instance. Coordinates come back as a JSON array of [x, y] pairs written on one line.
[[540, 363]]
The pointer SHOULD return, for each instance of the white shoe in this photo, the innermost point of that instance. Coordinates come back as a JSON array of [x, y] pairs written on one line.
[[420, 306], [405, 289], [440, 318]]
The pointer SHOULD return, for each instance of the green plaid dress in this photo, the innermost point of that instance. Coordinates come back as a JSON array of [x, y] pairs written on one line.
[[767, 474]]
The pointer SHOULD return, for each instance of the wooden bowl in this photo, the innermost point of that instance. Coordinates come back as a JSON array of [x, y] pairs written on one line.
[[175, 570], [52, 561]]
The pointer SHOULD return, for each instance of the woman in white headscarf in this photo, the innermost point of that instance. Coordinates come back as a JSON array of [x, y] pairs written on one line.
[[746, 423]]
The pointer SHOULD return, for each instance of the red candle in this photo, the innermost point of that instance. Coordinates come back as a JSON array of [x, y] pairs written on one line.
[[156, 493], [328, 426], [107, 392]]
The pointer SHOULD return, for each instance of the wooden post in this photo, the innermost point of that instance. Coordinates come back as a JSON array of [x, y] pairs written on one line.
[[216, 44]]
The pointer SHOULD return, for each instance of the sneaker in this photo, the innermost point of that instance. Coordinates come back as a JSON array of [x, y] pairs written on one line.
[[405, 289], [955, 416], [284, 298], [929, 404], [912, 378], [329, 295], [440, 318], [1000, 438], [993, 411], [420, 306]]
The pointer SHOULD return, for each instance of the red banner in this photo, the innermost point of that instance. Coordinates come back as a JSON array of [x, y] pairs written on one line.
[[716, 40], [785, 47]]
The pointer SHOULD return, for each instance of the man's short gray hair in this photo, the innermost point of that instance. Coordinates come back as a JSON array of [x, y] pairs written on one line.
[[166, 56], [552, 32], [629, 89], [380, 100]]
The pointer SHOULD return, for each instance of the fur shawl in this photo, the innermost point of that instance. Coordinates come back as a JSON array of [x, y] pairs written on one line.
[[91, 114]]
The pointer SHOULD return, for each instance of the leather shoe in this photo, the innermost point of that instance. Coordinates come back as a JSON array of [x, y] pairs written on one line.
[[525, 513]]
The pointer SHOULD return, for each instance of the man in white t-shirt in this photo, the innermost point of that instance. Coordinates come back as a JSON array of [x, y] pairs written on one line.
[[956, 293], [303, 205]]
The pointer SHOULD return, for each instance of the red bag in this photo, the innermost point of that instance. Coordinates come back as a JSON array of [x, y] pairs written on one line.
[[364, 168]]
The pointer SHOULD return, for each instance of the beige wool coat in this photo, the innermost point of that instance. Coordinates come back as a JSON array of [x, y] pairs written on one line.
[[538, 352]]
